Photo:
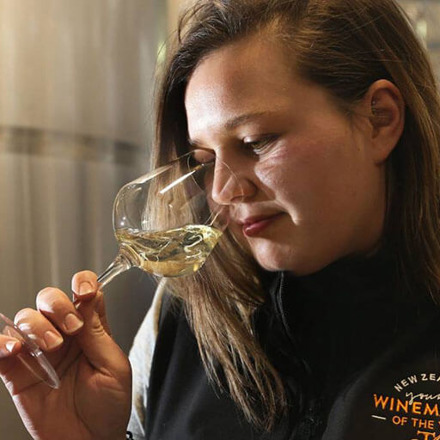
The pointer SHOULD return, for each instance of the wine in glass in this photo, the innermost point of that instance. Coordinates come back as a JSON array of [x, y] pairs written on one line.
[[166, 223]]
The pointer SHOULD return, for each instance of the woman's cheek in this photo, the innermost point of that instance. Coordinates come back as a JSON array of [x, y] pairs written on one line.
[[273, 172]]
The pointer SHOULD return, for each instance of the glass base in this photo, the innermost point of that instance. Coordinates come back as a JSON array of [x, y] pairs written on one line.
[[31, 356]]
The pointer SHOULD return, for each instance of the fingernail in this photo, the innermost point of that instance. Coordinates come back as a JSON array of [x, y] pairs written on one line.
[[52, 340], [72, 323], [11, 345], [85, 288], [35, 338], [40, 342]]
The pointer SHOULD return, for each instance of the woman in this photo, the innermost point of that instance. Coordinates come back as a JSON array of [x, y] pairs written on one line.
[[315, 318]]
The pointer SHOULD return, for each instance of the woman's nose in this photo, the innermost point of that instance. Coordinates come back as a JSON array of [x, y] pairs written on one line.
[[228, 187]]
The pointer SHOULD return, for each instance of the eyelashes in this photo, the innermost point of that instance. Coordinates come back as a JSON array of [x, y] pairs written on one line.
[[253, 145], [260, 145]]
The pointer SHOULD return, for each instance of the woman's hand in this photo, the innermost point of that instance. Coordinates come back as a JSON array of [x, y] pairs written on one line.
[[94, 398]]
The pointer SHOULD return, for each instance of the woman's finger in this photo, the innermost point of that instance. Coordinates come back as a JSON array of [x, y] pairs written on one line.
[[14, 362], [39, 329], [85, 285], [9, 346], [59, 309]]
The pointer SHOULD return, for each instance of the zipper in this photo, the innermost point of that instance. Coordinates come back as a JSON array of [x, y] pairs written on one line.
[[309, 425]]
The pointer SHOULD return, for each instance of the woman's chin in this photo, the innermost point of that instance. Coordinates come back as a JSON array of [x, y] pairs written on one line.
[[299, 266], [272, 262]]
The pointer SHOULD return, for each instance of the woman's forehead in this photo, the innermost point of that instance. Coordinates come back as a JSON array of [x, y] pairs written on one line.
[[239, 81], [242, 65]]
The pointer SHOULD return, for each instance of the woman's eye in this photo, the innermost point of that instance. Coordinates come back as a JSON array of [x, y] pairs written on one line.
[[259, 146], [203, 156]]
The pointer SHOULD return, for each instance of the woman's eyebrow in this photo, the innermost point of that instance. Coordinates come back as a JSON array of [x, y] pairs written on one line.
[[234, 122], [242, 119]]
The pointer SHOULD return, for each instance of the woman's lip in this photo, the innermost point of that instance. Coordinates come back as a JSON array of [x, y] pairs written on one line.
[[254, 226]]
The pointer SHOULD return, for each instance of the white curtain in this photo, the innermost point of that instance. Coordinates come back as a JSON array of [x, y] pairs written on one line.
[[75, 124]]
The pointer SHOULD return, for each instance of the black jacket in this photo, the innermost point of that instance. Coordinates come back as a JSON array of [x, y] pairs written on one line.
[[358, 357]]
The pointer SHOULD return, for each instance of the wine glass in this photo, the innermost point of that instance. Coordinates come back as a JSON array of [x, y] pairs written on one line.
[[166, 223]]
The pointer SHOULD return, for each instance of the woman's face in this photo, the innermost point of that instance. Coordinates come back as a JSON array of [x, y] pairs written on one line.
[[312, 192]]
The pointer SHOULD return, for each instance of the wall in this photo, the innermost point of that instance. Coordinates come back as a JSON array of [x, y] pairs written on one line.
[[425, 17]]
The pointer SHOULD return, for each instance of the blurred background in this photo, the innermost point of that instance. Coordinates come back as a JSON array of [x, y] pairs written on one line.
[[76, 110], [76, 114]]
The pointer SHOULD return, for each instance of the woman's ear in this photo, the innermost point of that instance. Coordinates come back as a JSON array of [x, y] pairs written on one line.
[[386, 108]]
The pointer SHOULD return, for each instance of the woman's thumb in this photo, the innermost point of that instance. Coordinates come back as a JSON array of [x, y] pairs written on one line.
[[95, 340]]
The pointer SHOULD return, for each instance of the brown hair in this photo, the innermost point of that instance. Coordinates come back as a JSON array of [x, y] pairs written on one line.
[[344, 46]]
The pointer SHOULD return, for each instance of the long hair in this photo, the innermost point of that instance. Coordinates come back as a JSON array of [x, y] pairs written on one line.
[[343, 46]]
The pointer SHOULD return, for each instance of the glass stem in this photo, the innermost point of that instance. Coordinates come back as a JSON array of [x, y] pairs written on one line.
[[120, 264]]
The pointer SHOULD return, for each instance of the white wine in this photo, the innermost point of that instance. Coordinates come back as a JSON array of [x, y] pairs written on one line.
[[170, 253]]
